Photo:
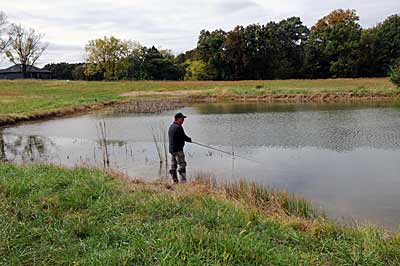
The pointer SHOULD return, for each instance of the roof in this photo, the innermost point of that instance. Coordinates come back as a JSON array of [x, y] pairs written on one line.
[[18, 69]]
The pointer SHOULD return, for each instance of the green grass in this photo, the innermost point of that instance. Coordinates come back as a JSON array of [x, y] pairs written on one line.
[[27, 97], [53, 216]]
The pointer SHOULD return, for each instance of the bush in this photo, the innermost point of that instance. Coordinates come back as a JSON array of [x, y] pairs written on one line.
[[395, 74]]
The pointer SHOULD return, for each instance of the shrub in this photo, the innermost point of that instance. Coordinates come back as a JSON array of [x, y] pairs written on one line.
[[395, 74]]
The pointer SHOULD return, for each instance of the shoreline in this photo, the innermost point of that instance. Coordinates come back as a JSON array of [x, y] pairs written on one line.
[[187, 98]]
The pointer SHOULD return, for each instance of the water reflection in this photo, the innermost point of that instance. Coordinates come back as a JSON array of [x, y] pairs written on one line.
[[24, 149], [2, 148]]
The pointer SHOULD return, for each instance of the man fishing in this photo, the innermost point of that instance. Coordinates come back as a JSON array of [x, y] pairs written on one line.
[[177, 139]]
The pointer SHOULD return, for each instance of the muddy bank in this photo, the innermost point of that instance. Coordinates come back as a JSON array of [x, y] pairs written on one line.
[[7, 120], [161, 101], [144, 105], [310, 98]]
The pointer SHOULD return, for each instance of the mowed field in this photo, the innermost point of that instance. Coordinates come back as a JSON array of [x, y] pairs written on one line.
[[29, 97]]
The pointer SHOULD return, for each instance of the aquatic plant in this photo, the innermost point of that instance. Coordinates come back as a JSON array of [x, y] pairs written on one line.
[[160, 139], [103, 140], [148, 106]]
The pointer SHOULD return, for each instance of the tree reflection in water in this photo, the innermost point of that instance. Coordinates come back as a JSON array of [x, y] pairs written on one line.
[[24, 149]]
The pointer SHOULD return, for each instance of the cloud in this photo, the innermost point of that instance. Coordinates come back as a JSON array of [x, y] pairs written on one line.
[[232, 6], [69, 24]]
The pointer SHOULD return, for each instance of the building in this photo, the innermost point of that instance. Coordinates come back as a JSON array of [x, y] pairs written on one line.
[[32, 72]]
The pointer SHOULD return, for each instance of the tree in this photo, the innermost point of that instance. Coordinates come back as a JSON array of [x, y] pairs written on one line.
[[4, 40], [333, 44], [394, 73], [60, 70], [158, 66], [25, 48], [198, 70], [234, 53], [79, 72], [210, 48], [152, 64], [368, 57], [388, 43], [288, 51], [107, 56]]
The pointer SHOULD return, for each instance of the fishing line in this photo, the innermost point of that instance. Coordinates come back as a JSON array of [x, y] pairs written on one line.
[[226, 152]]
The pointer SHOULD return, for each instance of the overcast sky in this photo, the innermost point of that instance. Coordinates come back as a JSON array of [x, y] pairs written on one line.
[[69, 24]]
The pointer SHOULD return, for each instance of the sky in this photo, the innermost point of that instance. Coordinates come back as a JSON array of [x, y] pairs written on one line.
[[69, 24]]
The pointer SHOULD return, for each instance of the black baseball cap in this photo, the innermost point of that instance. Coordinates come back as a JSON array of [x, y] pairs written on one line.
[[179, 115]]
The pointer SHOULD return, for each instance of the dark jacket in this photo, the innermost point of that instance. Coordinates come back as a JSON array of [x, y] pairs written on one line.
[[177, 138]]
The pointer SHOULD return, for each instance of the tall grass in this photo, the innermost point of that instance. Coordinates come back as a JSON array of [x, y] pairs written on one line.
[[262, 197]]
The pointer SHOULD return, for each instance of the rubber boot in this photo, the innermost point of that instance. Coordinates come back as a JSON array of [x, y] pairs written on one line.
[[174, 176], [182, 174]]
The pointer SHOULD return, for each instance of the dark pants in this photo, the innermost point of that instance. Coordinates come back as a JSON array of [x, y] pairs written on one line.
[[178, 163]]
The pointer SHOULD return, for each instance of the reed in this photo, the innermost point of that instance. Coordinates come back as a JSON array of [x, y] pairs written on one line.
[[148, 105], [103, 139], [160, 139], [156, 136]]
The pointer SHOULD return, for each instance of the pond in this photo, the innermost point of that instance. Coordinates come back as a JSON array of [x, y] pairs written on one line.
[[345, 158]]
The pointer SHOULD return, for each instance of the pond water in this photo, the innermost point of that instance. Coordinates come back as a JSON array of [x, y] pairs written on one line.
[[345, 158]]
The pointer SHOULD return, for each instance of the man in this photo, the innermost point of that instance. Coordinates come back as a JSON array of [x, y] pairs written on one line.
[[177, 139]]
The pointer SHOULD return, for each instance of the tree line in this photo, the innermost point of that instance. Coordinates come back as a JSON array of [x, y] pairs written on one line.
[[336, 46]]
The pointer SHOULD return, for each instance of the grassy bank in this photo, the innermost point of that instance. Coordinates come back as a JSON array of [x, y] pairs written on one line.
[[57, 216], [32, 98]]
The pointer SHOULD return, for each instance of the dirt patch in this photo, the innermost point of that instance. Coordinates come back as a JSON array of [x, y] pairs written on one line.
[[12, 119], [10, 94]]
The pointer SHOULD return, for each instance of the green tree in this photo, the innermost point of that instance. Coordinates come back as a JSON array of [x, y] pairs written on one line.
[[394, 73], [287, 39], [366, 53], [256, 57], [234, 53], [107, 56], [332, 47], [25, 48], [388, 43], [210, 48], [198, 70], [61, 70], [78, 73], [152, 64], [159, 67]]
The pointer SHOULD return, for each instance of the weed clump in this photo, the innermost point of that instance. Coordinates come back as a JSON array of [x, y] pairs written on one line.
[[395, 74]]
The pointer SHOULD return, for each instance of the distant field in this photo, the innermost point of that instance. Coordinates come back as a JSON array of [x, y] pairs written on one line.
[[29, 97]]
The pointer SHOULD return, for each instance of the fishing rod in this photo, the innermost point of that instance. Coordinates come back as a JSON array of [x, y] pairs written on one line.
[[226, 152]]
